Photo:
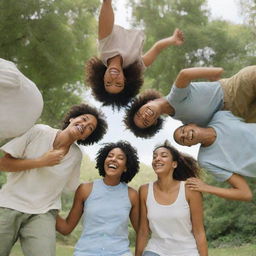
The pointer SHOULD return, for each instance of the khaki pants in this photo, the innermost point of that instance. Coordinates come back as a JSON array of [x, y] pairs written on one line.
[[240, 93], [35, 231]]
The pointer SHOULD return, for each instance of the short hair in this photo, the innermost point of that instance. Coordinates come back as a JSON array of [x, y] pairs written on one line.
[[82, 109], [95, 70], [187, 166], [132, 161], [134, 107]]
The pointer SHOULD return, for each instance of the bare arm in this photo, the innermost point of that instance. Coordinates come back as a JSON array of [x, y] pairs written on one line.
[[239, 188], [143, 232], [66, 226], [176, 39], [11, 164], [196, 210], [134, 214], [185, 76], [106, 19]]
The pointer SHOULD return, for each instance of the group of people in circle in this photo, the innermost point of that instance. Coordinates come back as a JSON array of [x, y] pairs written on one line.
[[166, 214]]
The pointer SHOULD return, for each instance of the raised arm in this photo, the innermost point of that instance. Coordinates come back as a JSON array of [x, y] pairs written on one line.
[[196, 210], [239, 188], [185, 76], [11, 164], [143, 233], [66, 226], [176, 39], [106, 19], [134, 214]]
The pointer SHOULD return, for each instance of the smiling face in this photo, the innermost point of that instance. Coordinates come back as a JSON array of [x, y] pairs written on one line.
[[163, 161], [146, 116], [115, 163], [114, 80], [82, 126], [187, 135]]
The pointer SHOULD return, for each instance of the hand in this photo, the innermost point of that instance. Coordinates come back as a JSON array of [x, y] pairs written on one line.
[[52, 157], [196, 184], [177, 37]]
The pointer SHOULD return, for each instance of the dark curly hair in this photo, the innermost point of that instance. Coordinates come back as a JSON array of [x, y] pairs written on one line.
[[82, 109], [95, 70], [187, 166], [133, 108], [132, 161]]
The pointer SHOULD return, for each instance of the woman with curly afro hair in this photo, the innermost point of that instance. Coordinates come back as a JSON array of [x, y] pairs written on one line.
[[107, 204], [116, 76], [196, 102], [43, 162]]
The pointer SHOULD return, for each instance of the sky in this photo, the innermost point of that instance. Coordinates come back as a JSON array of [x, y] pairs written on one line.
[[224, 9]]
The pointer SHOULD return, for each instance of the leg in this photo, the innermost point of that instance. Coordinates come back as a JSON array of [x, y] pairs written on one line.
[[240, 93], [10, 221], [106, 19], [37, 236]]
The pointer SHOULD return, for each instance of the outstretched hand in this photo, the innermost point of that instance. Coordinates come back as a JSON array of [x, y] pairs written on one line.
[[177, 37], [196, 184]]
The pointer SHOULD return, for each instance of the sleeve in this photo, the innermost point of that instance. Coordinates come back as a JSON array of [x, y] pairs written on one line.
[[74, 180], [17, 146], [218, 173], [9, 78], [178, 95]]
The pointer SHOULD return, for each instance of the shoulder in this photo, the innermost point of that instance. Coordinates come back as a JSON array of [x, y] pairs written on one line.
[[133, 194], [143, 191], [84, 190], [192, 195]]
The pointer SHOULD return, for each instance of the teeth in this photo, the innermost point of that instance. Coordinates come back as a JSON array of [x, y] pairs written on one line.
[[114, 71], [112, 166], [80, 128]]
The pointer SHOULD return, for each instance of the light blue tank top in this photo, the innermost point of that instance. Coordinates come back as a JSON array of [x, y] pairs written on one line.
[[105, 221]]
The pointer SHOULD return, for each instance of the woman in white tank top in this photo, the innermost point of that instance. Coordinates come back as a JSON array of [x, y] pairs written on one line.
[[170, 213]]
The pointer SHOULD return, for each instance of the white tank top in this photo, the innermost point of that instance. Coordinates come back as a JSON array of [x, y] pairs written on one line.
[[170, 226]]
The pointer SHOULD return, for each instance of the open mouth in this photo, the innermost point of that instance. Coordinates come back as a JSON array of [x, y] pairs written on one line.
[[112, 166], [114, 71], [80, 128], [149, 112]]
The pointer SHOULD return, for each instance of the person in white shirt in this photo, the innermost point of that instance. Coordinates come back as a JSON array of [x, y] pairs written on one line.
[[170, 212], [21, 102], [116, 76], [41, 164]]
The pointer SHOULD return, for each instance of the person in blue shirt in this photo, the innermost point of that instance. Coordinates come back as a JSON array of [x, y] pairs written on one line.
[[194, 102], [106, 204], [221, 154]]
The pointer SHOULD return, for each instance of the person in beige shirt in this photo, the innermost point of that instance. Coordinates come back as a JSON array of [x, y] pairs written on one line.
[[41, 163], [116, 76]]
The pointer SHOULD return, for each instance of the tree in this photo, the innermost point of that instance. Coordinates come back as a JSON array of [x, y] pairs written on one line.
[[50, 40], [207, 43]]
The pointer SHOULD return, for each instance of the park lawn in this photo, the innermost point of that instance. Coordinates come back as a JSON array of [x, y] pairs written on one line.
[[246, 250]]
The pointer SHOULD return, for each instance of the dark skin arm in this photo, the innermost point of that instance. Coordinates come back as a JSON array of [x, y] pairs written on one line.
[[66, 225], [239, 190]]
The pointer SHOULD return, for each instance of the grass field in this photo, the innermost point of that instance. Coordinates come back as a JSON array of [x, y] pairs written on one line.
[[247, 250]]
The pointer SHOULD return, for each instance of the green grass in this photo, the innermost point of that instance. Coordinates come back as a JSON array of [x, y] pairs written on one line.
[[246, 250]]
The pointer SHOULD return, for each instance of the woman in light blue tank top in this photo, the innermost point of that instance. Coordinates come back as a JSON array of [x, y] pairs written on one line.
[[106, 204], [172, 214]]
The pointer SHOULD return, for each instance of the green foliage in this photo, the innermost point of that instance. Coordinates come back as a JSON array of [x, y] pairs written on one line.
[[229, 223], [207, 43], [50, 40]]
